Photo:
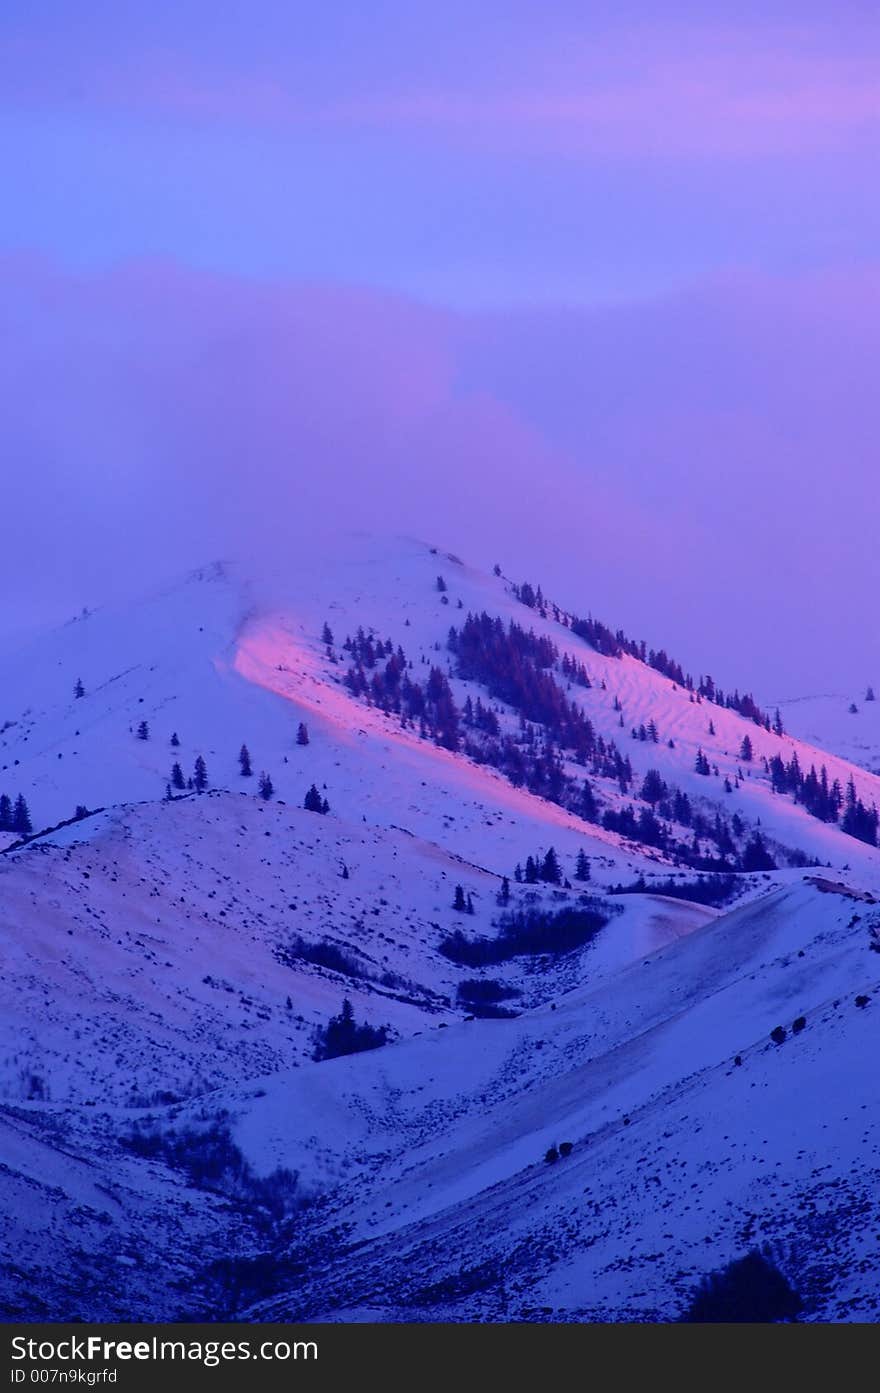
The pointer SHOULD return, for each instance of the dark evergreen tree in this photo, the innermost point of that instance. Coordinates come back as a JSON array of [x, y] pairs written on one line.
[[143, 731], [756, 857], [327, 635], [302, 734], [459, 903], [702, 765], [746, 750], [177, 779], [200, 775], [653, 787], [750, 1290], [582, 866], [175, 739], [441, 584], [470, 904], [503, 896], [5, 813], [244, 760], [266, 787], [21, 817], [313, 802], [869, 695], [79, 690], [550, 871]]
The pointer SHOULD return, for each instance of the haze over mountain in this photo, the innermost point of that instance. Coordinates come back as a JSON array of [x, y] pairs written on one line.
[[639, 476]]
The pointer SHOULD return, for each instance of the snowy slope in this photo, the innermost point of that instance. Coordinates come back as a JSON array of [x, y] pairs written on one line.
[[681, 1158], [158, 971], [829, 722]]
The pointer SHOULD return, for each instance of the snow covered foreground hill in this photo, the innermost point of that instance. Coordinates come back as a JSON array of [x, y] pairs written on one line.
[[171, 1148]]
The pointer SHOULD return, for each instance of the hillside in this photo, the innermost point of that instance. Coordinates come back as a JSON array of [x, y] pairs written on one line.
[[171, 957]]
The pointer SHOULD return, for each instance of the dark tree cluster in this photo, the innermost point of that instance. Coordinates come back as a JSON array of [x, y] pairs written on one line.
[[647, 732], [531, 932], [614, 645], [825, 801], [748, 1290], [390, 688], [342, 1035], [716, 890], [517, 668], [313, 802], [15, 817], [652, 827], [745, 705], [540, 868]]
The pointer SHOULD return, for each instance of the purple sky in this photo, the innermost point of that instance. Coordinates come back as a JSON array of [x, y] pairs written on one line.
[[608, 274]]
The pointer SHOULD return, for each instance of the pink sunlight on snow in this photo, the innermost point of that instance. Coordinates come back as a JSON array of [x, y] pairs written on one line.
[[269, 655]]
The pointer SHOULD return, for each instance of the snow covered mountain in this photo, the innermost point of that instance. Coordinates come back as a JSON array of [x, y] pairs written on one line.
[[568, 885], [848, 725]]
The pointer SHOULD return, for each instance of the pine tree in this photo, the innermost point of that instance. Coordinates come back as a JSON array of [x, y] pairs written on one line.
[[200, 775], [459, 903], [441, 584], [653, 787], [550, 871], [582, 868], [5, 813], [79, 690], [869, 695], [777, 723], [175, 739], [244, 760], [21, 818], [302, 734], [143, 731], [266, 787], [177, 779], [746, 750], [503, 896], [314, 803], [470, 904], [756, 857], [327, 635]]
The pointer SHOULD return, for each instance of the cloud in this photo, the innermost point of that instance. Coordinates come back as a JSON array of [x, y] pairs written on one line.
[[699, 468], [684, 90]]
